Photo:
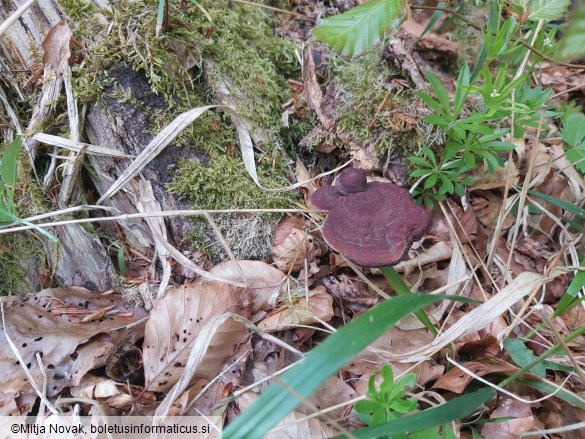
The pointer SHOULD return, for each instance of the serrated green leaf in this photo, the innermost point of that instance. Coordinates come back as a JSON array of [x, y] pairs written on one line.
[[547, 9], [573, 130], [522, 356], [572, 45], [361, 28]]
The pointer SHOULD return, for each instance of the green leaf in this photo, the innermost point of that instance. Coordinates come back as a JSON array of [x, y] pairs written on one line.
[[547, 9], [522, 356], [8, 169], [358, 30], [288, 391], [572, 45], [569, 207], [440, 91], [456, 409], [573, 130], [462, 89]]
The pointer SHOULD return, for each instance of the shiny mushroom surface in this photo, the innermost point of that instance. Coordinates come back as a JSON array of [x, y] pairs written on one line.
[[373, 224]]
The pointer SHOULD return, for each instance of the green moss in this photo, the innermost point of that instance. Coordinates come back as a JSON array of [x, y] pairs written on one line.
[[224, 184], [370, 113]]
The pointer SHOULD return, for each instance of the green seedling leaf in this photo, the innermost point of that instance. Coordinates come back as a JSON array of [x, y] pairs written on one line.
[[440, 91], [434, 18], [547, 9], [572, 45], [522, 356], [568, 299], [8, 170], [361, 28], [288, 391], [121, 261], [456, 409]]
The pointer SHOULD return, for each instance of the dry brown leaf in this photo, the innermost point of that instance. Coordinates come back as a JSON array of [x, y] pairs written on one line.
[[56, 51], [509, 407], [464, 221], [350, 292], [68, 347], [8, 405], [332, 392], [394, 342], [292, 246], [308, 429], [456, 380], [486, 206], [303, 174], [320, 304], [177, 319]]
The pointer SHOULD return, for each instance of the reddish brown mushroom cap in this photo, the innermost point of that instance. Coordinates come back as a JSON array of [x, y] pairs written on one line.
[[374, 226]]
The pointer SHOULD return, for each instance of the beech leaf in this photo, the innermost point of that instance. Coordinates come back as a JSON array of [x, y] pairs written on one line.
[[358, 30]]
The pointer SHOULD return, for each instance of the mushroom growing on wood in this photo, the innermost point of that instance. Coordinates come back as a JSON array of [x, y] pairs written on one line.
[[373, 224]]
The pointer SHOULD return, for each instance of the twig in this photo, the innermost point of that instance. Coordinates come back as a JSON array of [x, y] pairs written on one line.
[[271, 8]]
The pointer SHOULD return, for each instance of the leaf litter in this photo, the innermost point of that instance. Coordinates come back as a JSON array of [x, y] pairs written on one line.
[[205, 340]]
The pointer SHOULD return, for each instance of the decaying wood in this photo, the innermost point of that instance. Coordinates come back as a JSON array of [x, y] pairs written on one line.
[[123, 126]]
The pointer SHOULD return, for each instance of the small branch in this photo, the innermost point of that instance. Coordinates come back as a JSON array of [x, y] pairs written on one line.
[[476, 26]]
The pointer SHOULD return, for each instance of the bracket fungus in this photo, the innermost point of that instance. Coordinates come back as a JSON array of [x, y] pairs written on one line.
[[373, 224]]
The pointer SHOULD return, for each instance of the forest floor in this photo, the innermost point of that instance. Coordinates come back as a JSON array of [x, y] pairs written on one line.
[[174, 234]]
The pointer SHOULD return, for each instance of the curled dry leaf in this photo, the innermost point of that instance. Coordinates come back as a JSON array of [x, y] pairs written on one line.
[[56, 51], [302, 312], [177, 319], [49, 323], [292, 245]]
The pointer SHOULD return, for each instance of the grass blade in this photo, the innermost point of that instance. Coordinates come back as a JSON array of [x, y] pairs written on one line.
[[457, 408], [308, 374]]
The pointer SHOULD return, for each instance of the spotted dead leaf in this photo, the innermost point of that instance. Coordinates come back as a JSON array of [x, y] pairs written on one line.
[[293, 246], [51, 324], [177, 319], [318, 307], [8, 405], [56, 51]]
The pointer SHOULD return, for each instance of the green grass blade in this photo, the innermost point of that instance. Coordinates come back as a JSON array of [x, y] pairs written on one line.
[[455, 409], [565, 395], [401, 288], [361, 28], [307, 375], [569, 207], [8, 169]]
